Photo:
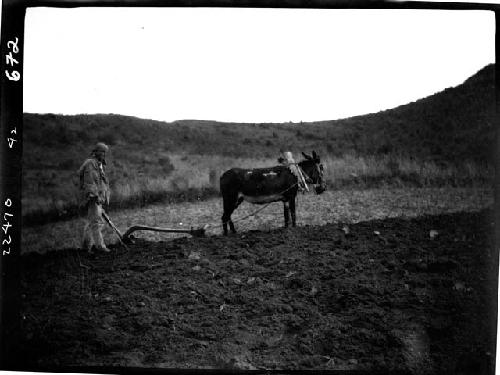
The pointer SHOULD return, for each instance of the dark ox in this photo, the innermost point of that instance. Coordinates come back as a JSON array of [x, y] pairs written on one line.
[[265, 185]]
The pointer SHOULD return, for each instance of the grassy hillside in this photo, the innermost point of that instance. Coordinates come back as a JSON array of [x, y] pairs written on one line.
[[446, 138], [457, 122], [454, 125]]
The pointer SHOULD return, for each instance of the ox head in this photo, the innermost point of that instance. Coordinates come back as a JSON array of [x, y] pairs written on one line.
[[314, 170]]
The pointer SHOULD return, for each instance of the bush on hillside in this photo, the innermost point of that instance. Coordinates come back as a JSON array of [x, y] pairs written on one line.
[[166, 165]]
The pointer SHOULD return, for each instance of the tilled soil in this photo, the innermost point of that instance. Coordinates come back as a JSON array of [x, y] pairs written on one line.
[[385, 294]]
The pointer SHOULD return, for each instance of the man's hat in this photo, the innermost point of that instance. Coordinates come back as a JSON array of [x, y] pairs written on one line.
[[101, 147]]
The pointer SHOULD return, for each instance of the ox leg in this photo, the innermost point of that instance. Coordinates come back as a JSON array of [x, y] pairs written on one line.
[[240, 199], [226, 216], [286, 212], [229, 206], [292, 211], [231, 225]]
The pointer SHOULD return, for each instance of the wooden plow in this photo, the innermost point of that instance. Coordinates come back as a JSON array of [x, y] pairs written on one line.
[[126, 239], [200, 232]]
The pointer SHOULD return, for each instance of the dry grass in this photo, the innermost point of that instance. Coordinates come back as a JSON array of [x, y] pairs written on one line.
[[193, 173], [347, 206], [397, 170]]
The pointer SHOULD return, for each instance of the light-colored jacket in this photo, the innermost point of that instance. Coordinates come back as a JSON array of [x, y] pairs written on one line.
[[93, 182]]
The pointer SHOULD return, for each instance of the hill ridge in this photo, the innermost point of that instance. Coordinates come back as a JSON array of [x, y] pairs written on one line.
[[455, 122]]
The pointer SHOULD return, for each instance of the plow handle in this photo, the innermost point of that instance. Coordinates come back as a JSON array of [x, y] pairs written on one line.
[[117, 231]]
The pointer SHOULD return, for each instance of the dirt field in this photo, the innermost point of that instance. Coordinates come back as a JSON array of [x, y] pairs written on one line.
[[402, 294], [333, 206]]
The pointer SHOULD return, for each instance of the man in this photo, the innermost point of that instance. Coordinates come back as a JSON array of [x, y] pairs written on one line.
[[94, 190]]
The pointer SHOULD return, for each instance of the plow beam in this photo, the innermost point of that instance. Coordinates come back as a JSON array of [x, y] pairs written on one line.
[[200, 232]]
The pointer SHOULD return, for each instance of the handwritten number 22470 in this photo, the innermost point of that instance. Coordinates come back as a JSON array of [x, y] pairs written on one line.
[[5, 227]]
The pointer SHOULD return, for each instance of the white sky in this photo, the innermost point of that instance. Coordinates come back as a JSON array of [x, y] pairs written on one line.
[[246, 65]]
